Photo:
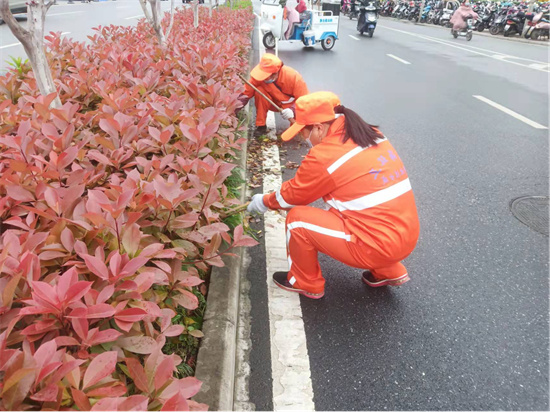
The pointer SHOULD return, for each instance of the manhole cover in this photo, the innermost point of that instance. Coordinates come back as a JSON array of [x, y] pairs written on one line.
[[532, 211]]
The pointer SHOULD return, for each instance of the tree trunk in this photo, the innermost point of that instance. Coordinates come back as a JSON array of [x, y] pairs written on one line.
[[172, 6], [32, 40], [157, 20], [143, 4], [195, 7]]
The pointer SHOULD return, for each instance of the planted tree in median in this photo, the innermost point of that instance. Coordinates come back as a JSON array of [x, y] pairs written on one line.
[[155, 18], [32, 40]]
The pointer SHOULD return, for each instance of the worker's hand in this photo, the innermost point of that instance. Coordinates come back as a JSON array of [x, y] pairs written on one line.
[[242, 100], [257, 204], [287, 114]]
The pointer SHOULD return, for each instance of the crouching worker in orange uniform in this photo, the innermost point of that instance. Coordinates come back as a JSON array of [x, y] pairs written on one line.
[[372, 223], [282, 84]]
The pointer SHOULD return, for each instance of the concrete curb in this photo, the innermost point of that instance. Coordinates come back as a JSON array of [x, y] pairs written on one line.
[[476, 33], [216, 360], [217, 352]]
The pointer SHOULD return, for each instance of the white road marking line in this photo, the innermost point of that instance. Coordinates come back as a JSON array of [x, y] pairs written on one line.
[[292, 388], [19, 44], [62, 14], [9, 45], [353, 37], [139, 16], [398, 59], [511, 112], [499, 57]]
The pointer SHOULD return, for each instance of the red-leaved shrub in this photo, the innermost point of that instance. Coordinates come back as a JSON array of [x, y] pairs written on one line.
[[110, 210]]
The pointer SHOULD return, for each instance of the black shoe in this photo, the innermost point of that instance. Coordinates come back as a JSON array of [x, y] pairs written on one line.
[[280, 279], [260, 131]]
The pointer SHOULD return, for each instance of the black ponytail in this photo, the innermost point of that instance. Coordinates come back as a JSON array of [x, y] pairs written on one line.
[[356, 129]]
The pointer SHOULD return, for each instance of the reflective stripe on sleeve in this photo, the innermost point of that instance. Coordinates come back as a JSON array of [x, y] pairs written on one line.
[[282, 201]]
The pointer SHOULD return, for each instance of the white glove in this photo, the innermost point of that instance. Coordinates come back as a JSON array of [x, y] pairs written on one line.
[[287, 114], [257, 204]]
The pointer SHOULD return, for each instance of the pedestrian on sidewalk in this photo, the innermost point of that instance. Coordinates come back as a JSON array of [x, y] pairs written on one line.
[[282, 84], [372, 222]]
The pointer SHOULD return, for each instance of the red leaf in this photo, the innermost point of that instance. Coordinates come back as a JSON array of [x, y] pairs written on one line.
[[102, 310], [186, 299], [143, 345], [101, 366], [48, 394], [96, 266], [174, 330], [19, 194], [134, 403], [188, 387], [133, 265], [108, 335], [164, 372], [137, 373], [76, 291], [81, 400], [65, 341], [176, 403], [111, 389], [65, 369], [80, 326], [131, 315]]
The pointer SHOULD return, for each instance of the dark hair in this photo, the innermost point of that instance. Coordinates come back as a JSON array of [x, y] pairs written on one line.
[[356, 129]]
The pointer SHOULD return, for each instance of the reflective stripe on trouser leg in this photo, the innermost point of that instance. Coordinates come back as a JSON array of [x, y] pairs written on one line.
[[310, 230]]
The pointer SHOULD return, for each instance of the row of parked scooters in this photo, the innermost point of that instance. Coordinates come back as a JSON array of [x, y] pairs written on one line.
[[499, 18]]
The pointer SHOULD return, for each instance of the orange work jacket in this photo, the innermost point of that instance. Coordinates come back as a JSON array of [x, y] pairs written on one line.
[[288, 87], [368, 187]]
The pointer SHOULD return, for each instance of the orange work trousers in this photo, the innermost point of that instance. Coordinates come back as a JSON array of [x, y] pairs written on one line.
[[263, 106], [310, 230]]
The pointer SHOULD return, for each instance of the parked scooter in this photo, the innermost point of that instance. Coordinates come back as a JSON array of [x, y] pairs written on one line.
[[539, 26], [485, 20], [499, 22], [467, 32], [368, 16], [514, 24], [445, 18]]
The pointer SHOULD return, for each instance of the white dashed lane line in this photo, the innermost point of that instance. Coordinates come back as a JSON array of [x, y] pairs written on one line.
[[398, 59], [511, 112]]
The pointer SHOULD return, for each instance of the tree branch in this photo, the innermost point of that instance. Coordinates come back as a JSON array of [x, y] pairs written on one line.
[[17, 30], [143, 4]]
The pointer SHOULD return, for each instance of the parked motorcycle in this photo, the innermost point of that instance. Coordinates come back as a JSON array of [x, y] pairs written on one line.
[[499, 22], [368, 16], [485, 21]]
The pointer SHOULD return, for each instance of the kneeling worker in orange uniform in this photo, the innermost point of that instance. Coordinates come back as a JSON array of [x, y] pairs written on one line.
[[372, 223], [282, 84]]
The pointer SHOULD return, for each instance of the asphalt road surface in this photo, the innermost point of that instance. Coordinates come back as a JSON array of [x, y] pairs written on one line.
[[470, 330], [76, 21]]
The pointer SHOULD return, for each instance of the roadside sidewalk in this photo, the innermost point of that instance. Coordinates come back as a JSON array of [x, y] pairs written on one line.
[[516, 39]]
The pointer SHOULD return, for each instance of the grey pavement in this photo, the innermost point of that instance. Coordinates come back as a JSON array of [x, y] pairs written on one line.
[[470, 330]]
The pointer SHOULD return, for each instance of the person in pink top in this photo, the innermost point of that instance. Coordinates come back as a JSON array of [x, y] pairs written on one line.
[[463, 13]]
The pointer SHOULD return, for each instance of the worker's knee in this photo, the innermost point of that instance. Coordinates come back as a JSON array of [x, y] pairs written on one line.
[[298, 214]]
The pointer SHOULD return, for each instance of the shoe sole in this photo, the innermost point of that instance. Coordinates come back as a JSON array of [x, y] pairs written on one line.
[[387, 282], [302, 292]]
